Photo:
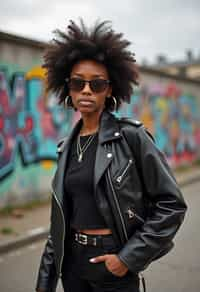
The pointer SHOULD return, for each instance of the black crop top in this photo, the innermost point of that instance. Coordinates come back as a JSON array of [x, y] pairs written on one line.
[[79, 187]]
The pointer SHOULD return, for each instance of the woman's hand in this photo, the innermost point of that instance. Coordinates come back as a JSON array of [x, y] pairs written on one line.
[[112, 263]]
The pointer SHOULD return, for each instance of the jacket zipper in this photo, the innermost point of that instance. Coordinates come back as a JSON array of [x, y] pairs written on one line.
[[120, 177], [140, 274], [63, 238], [132, 214], [118, 207]]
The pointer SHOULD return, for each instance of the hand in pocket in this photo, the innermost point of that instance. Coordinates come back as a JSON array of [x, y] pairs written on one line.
[[112, 263]]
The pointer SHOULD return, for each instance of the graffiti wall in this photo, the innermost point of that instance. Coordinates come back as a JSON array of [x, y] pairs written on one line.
[[30, 126], [172, 116], [31, 123]]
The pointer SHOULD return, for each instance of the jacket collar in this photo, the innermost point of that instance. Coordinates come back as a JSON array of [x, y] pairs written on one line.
[[109, 128]]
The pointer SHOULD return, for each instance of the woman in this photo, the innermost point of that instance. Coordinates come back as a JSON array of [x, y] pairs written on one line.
[[116, 205]]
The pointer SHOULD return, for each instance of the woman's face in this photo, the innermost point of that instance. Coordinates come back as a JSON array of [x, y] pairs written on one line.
[[84, 98]]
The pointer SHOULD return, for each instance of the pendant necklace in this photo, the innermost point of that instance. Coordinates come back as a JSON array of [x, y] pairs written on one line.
[[81, 149]]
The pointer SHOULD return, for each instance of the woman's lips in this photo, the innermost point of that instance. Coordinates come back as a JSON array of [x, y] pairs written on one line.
[[85, 102]]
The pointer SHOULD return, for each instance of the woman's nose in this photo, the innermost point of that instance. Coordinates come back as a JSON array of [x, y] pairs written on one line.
[[86, 88]]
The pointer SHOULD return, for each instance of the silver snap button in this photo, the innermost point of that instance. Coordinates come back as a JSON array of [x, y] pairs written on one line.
[[109, 155], [137, 122], [116, 134]]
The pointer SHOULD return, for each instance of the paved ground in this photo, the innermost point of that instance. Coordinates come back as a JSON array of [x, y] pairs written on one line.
[[24, 223], [177, 272]]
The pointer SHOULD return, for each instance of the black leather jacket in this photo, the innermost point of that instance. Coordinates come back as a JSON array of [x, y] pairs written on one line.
[[135, 192]]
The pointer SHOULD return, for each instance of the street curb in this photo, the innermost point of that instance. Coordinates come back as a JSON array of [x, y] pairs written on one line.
[[190, 180], [31, 236], [41, 233]]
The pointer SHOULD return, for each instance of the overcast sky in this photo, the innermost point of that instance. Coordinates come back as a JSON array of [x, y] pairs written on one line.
[[153, 26]]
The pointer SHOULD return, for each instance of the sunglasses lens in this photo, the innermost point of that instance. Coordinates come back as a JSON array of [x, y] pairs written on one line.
[[98, 85], [76, 84]]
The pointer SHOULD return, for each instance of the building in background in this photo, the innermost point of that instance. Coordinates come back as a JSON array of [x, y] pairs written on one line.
[[187, 68], [18, 53]]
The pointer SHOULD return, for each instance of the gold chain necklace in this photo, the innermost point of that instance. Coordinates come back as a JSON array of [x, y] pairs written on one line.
[[81, 149]]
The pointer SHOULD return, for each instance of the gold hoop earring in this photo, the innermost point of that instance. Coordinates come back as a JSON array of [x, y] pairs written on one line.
[[68, 102]]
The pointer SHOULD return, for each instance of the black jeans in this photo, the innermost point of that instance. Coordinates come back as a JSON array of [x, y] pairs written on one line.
[[79, 275]]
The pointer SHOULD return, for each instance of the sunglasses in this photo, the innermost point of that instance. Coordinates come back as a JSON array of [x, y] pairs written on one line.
[[96, 85]]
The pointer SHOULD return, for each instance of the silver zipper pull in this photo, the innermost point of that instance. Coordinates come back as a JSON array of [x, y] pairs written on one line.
[[119, 178], [130, 213]]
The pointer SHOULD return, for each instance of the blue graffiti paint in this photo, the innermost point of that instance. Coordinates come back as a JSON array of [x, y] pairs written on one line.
[[30, 126]]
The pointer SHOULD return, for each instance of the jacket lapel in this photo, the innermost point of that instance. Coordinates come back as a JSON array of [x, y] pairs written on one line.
[[103, 159], [108, 131]]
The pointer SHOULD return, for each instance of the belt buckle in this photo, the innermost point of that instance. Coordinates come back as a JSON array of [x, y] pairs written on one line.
[[83, 239]]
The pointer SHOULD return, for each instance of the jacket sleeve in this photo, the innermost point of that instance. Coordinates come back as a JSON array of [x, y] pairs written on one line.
[[47, 278], [167, 203]]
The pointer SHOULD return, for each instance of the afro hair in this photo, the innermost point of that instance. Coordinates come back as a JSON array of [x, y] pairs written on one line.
[[99, 43]]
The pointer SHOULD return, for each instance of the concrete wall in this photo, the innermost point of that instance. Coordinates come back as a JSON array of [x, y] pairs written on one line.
[[31, 122], [17, 53]]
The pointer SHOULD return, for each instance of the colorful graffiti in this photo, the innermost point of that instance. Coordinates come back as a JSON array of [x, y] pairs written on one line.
[[172, 117], [31, 122]]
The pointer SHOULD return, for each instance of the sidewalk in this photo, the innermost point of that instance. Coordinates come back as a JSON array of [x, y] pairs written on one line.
[[23, 227]]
